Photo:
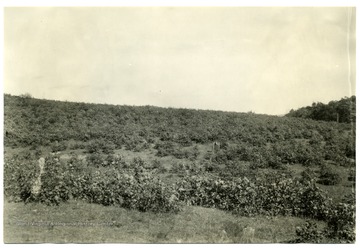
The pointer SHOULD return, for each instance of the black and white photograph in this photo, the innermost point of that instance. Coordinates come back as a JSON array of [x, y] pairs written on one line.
[[179, 124]]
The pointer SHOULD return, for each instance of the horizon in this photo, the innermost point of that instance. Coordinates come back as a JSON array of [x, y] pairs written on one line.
[[266, 60], [28, 95]]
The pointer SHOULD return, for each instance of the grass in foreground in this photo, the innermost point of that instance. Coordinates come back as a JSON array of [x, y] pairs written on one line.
[[80, 222]]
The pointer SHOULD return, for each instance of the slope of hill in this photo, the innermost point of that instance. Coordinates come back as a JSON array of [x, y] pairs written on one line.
[[34, 122]]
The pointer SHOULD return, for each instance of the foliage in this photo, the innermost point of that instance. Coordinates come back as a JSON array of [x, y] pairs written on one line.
[[100, 145], [340, 227], [341, 222], [308, 175], [309, 233], [352, 175], [20, 173], [280, 196], [342, 111], [329, 176], [165, 148], [54, 189], [102, 128], [130, 186], [58, 146]]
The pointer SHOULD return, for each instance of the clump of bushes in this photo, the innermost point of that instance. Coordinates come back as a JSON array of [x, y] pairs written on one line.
[[120, 184], [100, 145], [20, 173], [137, 190], [308, 175], [340, 227], [329, 176], [165, 148], [58, 146], [352, 175], [158, 166], [54, 188], [309, 233], [280, 196], [77, 145]]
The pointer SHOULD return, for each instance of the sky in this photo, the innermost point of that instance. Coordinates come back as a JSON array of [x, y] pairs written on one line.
[[266, 60]]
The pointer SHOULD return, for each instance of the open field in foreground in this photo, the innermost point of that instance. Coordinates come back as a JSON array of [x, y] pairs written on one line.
[[80, 222]]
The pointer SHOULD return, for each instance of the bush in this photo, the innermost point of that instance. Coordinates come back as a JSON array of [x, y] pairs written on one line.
[[308, 175], [133, 190], [54, 189], [341, 223], [237, 169], [258, 161], [100, 145], [58, 146], [340, 227], [329, 176], [120, 184], [309, 233], [95, 159], [280, 196], [274, 162], [165, 148], [352, 175], [77, 145], [19, 176], [114, 161]]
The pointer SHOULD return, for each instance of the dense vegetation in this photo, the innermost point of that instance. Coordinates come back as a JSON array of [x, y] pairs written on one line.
[[343, 110], [250, 173], [266, 139]]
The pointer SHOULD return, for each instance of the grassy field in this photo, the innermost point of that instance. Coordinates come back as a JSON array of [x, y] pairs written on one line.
[[80, 222]]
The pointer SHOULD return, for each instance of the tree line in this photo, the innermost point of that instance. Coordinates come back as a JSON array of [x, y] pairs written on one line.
[[343, 111]]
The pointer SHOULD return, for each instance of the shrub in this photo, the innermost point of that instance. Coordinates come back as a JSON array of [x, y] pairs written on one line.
[[237, 169], [120, 184], [341, 223], [54, 189], [114, 161], [157, 165], [58, 146], [309, 233], [19, 176], [352, 175], [308, 175], [274, 162], [329, 176], [184, 140], [134, 190], [313, 202], [100, 145], [340, 227], [258, 161], [77, 145], [280, 196], [95, 159], [165, 148], [178, 168]]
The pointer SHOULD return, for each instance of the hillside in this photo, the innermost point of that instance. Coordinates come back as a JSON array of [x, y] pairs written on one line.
[[34, 122], [163, 160]]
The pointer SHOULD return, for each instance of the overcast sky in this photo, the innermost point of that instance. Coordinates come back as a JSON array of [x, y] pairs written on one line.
[[266, 60]]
